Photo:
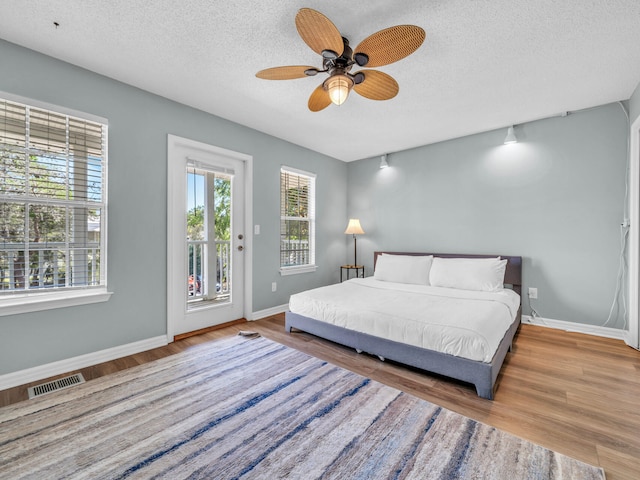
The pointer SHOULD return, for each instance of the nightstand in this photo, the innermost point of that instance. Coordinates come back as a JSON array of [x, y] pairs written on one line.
[[358, 268]]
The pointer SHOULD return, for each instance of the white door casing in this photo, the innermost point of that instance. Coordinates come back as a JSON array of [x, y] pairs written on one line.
[[633, 335], [179, 318]]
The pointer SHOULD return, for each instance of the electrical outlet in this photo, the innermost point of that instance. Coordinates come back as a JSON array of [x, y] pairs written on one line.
[[274, 286], [533, 292]]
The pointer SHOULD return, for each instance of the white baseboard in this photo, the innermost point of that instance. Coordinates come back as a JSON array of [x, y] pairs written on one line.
[[13, 379], [576, 327], [40, 372], [269, 311], [33, 374]]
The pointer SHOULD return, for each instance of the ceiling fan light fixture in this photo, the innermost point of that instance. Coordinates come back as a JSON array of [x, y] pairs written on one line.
[[377, 50], [338, 86]]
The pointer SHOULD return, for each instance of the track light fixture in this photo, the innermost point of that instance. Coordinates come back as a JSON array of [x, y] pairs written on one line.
[[511, 136]]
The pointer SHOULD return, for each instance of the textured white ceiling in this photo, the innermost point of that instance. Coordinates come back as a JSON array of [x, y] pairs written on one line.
[[485, 64]]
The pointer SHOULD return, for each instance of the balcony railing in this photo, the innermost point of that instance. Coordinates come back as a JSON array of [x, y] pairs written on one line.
[[50, 265], [294, 252], [204, 285]]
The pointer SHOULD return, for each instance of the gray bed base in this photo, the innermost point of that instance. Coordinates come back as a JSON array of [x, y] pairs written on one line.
[[482, 375]]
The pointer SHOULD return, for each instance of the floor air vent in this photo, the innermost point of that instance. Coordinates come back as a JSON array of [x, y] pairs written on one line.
[[55, 385]]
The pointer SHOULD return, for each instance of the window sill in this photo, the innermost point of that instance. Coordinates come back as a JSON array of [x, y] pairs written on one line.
[[284, 271], [47, 301]]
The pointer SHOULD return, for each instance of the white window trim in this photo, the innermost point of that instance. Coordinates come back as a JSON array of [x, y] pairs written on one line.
[[46, 301], [36, 302], [55, 108], [311, 267], [284, 271]]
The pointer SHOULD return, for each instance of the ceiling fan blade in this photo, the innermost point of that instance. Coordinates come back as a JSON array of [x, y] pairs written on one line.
[[318, 31], [377, 85], [284, 73], [319, 99], [391, 44]]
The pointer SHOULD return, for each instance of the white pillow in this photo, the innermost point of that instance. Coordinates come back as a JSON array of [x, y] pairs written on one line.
[[403, 268], [484, 274]]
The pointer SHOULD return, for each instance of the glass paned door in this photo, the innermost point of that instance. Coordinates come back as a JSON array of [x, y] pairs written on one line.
[[209, 260], [205, 236]]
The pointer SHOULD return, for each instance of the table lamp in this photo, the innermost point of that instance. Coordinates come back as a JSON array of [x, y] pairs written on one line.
[[354, 229]]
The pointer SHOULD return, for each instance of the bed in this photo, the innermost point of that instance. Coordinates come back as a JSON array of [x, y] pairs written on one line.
[[398, 313]]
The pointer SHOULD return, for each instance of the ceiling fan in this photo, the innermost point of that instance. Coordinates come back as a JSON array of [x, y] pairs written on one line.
[[381, 48]]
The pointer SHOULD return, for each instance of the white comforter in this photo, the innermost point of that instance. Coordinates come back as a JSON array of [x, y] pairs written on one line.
[[464, 323]]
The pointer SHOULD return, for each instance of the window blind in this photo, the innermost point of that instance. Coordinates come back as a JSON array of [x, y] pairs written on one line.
[[297, 218], [52, 199]]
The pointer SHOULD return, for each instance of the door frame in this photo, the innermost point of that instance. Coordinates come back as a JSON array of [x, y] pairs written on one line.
[[176, 222], [633, 334]]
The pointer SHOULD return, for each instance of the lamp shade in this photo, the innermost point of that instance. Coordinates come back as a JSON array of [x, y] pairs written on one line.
[[511, 136], [383, 161], [338, 87], [354, 227]]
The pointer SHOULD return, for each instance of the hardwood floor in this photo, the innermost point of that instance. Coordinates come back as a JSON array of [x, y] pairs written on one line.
[[572, 393]]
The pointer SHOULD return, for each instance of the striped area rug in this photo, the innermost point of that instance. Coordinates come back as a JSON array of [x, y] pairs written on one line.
[[252, 408]]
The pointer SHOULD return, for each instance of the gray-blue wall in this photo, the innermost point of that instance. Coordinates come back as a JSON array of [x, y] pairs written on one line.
[[556, 198], [138, 126]]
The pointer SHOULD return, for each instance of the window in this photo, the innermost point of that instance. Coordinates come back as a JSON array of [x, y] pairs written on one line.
[[297, 221], [52, 203]]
